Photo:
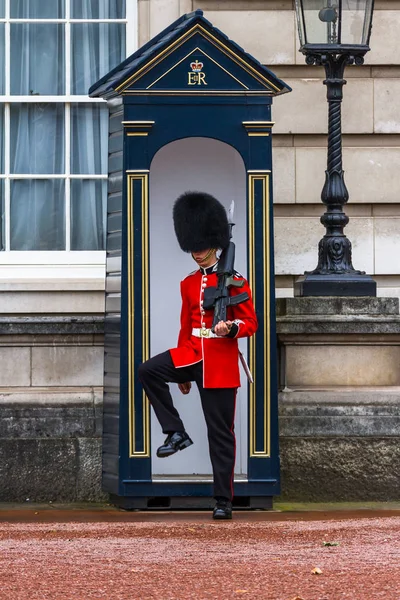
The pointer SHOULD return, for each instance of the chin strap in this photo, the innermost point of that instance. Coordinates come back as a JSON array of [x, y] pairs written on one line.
[[207, 256]]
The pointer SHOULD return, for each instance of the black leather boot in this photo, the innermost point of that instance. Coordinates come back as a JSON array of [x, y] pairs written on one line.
[[223, 510], [174, 442]]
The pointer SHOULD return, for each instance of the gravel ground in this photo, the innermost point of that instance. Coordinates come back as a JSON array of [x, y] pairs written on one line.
[[164, 558]]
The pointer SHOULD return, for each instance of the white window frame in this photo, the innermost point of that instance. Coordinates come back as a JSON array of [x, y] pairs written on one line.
[[67, 267]]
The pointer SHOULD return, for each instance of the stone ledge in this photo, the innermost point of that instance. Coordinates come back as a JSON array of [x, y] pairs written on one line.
[[327, 414], [338, 316], [330, 424], [337, 306], [81, 416], [58, 397], [339, 396], [51, 325], [340, 325]]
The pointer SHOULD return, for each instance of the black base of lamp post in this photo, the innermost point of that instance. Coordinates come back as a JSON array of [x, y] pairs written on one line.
[[335, 285]]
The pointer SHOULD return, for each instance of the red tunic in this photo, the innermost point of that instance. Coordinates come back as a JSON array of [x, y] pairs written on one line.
[[220, 355]]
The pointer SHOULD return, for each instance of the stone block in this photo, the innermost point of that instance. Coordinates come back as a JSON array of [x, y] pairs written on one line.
[[340, 469], [386, 106], [310, 174], [387, 246], [43, 470], [15, 367], [88, 476], [162, 14], [357, 106], [284, 292], [370, 174], [284, 175], [342, 365], [267, 35], [305, 109], [393, 292], [79, 330], [67, 366], [296, 243], [38, 470], [337, 306], [339, 414], [384, 39], [143, 7], [51, 302], [45, 421]]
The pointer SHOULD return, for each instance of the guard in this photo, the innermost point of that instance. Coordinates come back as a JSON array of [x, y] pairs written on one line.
[[207, 351]]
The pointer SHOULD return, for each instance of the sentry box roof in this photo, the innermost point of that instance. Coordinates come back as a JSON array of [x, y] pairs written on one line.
[[190, 57]]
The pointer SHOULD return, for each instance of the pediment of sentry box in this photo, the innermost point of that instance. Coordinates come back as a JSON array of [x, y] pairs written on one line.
[[197, 62]]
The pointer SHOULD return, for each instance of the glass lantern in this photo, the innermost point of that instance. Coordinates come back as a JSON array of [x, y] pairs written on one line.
[[326, 23]]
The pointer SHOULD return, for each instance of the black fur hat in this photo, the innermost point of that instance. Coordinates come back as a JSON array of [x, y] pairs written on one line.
[[200, 222]]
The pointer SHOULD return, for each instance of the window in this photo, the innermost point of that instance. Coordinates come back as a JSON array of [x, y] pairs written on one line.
[[53, 143]]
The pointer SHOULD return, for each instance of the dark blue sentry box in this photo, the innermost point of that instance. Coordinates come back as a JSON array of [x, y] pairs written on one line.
[[190, 81]]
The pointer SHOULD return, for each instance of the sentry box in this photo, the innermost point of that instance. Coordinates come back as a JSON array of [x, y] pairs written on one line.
[[190, 110]]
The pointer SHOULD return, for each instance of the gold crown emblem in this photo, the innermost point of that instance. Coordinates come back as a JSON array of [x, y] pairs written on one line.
[[196, 66]]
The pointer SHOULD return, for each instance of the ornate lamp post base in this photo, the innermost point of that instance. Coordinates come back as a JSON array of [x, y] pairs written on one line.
[[348, 284]]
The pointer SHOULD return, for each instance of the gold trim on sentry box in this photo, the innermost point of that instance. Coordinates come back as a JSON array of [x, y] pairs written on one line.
[[197, 93], [143, 178], [258, 123], [187, 56], [183, 38], [258, 128], [137, 123], [262, 176]]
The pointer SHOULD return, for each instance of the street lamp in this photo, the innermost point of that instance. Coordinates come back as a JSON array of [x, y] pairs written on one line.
[[334, 33]]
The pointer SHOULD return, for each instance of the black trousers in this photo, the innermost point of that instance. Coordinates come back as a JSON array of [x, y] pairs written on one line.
[[218, 408]]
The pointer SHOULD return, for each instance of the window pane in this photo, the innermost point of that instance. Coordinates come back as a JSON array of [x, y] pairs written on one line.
[[37, 219], [1, 139], [98, 9], [37, 59], [37, 9], [88, 214], [2, 234], [37, 138], [96, 49], [2, 9], [89, 139], [2, 58]]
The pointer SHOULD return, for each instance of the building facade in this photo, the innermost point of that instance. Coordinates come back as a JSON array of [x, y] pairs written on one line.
[[53, 173], [53, 187]]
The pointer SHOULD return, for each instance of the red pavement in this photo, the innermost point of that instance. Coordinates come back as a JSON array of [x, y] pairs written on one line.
[[70, 554]]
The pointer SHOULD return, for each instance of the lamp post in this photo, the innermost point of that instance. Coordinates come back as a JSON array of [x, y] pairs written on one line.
[[334, 33]]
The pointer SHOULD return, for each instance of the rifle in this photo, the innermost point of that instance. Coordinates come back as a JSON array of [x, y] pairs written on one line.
[[218, 297]]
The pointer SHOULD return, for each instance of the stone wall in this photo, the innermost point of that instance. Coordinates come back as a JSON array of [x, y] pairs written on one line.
[[339, 405], [51, 377], [339, 414]]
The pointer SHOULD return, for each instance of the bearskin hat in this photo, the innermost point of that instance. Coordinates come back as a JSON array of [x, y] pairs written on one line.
[[200, 222]]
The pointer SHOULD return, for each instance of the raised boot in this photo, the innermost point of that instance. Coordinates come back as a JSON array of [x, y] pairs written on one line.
[[174, 442]]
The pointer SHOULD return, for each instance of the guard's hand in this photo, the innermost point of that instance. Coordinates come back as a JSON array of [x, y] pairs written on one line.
[[185, 387], [223, 328]]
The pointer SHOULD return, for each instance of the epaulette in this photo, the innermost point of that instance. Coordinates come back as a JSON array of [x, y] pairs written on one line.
[[192, 273]]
